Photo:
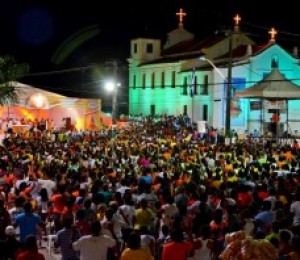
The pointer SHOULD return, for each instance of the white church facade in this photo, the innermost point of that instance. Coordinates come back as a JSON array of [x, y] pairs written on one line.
[[189, 76]]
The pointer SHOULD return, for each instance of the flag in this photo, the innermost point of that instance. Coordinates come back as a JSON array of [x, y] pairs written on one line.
[[192, 86]]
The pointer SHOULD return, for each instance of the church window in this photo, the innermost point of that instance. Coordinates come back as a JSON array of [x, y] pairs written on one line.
[[153, 80], [144, 81], [195, 86], [134, 81], [149, 48], [274, 61], [185, 86], [204, 90], [205, 112], [162, 79], [185, 108], [173, 79], [135, 48], [152, 110]]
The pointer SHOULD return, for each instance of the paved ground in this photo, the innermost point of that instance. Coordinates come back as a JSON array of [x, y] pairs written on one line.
[[52, 256]]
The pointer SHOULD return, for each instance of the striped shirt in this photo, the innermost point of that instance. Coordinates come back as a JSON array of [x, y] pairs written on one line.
[[64, 239]]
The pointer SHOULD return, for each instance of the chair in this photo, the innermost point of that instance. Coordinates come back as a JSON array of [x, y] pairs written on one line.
[[50, 242]]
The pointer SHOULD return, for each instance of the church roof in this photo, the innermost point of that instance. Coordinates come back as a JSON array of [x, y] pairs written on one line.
[[193, 45]]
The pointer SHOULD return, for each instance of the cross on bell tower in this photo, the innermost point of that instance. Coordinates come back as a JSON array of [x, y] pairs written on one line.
[[181, 14], [273, 33], [237, 20]]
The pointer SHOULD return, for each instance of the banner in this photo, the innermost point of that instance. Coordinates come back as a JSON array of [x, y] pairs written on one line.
[[274, 104], [256, 105], [201, 127]]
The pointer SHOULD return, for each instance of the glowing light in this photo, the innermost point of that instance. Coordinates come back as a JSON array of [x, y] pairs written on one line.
[[38, 101], [237, 20], [110, 86]]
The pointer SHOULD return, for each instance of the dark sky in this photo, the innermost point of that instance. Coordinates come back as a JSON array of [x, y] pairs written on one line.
[[33, 31]]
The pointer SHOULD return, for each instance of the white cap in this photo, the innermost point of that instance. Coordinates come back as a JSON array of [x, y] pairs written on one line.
[[10, 231]]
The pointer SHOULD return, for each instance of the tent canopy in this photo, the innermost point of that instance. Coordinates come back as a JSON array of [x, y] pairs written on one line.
[[274, 86]]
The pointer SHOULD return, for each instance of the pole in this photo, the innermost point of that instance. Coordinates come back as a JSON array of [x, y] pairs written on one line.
[[114, 96], [228, 92]]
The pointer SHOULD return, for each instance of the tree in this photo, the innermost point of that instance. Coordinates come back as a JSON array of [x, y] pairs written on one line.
[[10, 72]]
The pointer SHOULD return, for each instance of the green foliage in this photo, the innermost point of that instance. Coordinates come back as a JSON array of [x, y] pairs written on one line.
[[10, 72]]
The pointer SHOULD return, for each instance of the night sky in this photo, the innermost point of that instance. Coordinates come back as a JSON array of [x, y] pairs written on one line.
[[43, 33]]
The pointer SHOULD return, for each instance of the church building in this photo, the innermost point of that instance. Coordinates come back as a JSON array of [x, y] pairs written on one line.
[[222, 78]]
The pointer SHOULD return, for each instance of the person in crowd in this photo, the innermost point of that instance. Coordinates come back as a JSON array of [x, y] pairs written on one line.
[[27, 221], [64, 239], [295, 253], [134, 249], [295, 211], [94, 246], [178, 248], [5, 219], [31, 250], [10, 247]]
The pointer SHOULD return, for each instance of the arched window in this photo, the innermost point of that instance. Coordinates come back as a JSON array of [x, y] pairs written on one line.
[[274, 62]]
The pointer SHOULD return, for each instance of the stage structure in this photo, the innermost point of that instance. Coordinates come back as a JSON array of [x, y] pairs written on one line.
[[273, 94], [38, 104]]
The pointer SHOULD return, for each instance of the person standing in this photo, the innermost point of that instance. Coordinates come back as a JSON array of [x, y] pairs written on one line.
[[64, 239], [28, 222], [10, 246], [31, 252], [178, 248], [95, 246], [295, 212], [4, 219], [134, 249]]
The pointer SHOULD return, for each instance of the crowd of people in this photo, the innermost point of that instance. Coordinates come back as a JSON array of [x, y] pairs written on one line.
[[155, 189]]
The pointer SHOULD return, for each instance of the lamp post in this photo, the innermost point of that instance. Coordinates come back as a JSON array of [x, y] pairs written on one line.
[[228, 89], [113, 87]]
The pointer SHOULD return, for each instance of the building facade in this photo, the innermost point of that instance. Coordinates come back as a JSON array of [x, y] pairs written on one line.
[[190, 76]]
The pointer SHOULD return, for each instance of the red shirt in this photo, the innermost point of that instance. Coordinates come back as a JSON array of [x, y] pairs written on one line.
[[30, 255], [58, 203], [178, 251]]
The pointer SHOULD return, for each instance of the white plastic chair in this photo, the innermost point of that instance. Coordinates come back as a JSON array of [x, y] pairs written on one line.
[[50, 243]]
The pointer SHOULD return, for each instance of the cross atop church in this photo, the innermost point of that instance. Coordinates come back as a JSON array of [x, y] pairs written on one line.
[[237, 20], [272, 32], [181, 14]]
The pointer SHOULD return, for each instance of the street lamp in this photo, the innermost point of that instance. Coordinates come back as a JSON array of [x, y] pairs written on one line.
[[228, 93], [113, 88]]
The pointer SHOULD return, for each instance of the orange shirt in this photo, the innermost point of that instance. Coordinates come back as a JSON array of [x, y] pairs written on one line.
[[178, 251], [58, 203], [275, 118]]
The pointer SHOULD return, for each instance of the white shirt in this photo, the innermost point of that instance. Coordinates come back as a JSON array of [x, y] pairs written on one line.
[[93, 247], [49, 185], [128, 212], [122, 190], [295, 209]]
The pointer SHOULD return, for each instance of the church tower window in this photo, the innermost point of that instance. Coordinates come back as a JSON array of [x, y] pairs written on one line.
[[185, 86]]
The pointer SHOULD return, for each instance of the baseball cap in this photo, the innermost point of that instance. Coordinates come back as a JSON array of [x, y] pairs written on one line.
[[10, 231]]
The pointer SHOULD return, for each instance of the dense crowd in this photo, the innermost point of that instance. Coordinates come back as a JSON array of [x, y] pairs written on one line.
[[152, 189]]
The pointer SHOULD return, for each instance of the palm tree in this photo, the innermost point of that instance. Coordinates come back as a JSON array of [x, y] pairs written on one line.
[[10, 72]]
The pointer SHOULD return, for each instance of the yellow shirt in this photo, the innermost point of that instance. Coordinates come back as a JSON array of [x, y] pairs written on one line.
[[143, 218], [138, 254]]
